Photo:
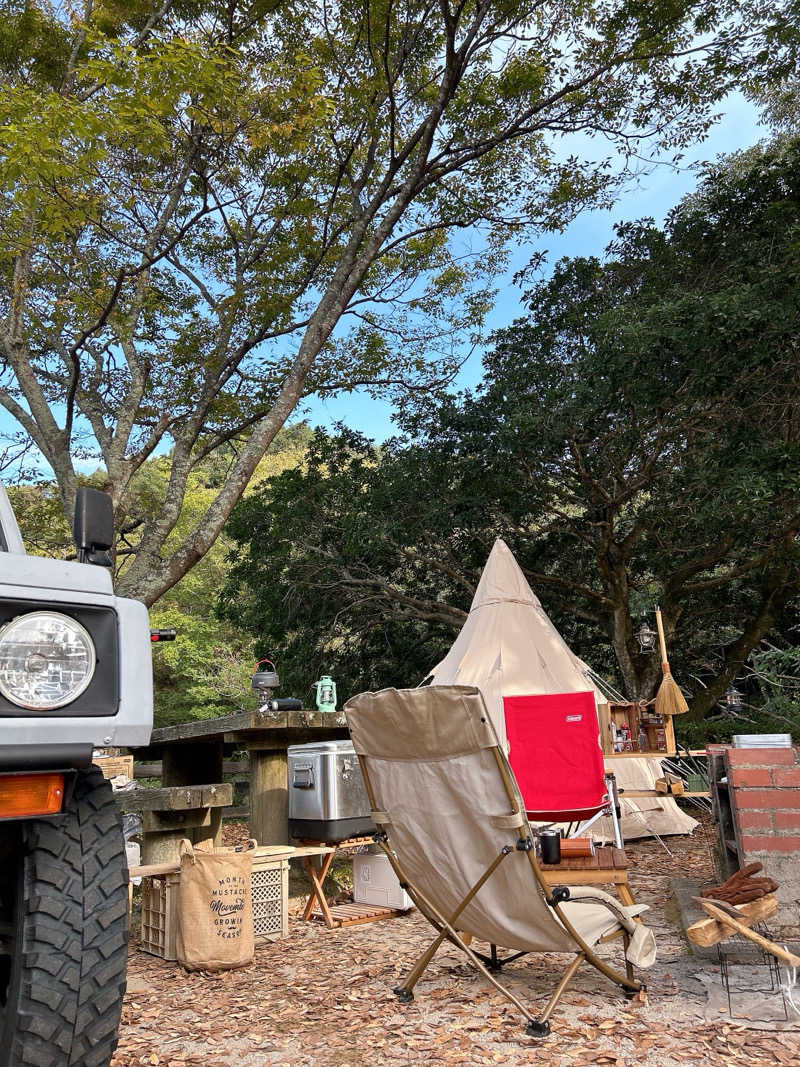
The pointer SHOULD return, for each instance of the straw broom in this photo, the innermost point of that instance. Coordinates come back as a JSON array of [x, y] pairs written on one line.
[[669, 698]]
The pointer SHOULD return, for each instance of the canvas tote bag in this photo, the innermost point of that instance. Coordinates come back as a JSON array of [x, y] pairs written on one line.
[[215, 908]]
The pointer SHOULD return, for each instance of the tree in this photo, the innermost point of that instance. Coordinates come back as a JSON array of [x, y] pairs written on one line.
[[206, 671], [352, 564], [210, 211], [636, 440]]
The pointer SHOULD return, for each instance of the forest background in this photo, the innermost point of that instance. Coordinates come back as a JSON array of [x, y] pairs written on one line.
[[213, 211]]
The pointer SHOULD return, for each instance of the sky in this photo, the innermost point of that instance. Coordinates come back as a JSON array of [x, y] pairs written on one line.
[[653, 195]]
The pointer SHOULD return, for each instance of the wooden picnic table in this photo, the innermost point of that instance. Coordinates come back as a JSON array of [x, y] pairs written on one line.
[[192, 754]]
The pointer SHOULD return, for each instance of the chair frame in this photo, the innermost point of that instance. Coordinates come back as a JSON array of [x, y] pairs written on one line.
[[538, 1027]]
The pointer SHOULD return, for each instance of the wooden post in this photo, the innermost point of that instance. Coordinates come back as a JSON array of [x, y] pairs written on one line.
[[269, 796], [195, 764], [162, 847]]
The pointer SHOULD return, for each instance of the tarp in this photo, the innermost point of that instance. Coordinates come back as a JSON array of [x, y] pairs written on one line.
[[508, 647], [645, 816]]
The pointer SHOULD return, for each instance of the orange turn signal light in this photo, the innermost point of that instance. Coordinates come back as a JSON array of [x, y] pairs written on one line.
[[30, 794]]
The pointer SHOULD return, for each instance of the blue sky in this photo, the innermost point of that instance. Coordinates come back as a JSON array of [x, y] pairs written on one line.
[[653, 195]]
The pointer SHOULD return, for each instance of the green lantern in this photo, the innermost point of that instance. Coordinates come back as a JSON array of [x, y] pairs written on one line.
[[326, 693]]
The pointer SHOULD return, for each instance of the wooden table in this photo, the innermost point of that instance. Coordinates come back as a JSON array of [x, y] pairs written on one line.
[[192, 753], [317, 906], [606, 865]]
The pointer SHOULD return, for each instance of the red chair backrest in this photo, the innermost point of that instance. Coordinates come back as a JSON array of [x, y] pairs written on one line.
[[555, 755]]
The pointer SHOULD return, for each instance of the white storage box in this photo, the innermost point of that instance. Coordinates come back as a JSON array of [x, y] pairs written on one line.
[[374, 882]]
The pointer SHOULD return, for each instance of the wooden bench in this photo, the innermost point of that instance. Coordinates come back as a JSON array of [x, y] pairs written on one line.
[[171, 813]]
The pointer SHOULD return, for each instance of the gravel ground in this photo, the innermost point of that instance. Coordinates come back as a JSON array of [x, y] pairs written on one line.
[[324, 997]]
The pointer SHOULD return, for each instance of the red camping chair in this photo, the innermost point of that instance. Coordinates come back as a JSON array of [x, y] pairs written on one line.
[[556, 758]]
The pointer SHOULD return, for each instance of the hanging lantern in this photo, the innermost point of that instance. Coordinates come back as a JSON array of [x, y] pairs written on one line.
[[733, 698], [646, 637]]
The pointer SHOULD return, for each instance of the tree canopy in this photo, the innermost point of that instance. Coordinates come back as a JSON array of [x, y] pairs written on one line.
[[209, 211], [636, 440]]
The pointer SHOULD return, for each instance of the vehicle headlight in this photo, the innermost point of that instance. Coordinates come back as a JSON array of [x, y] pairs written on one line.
[[46, 660]]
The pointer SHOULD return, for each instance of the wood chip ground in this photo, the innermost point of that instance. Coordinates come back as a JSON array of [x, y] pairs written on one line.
[[324, 998]]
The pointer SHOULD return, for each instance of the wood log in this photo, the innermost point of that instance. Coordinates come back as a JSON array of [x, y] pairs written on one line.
[[708, 932], [739, 927]]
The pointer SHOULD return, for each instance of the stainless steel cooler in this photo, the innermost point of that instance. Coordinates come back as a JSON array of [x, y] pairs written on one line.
[[327, 800]]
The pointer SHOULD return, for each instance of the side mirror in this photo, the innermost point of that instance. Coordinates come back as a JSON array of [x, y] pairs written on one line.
[[93, 526]]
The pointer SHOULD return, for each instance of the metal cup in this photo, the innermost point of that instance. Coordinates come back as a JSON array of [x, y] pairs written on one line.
[[550, 842]]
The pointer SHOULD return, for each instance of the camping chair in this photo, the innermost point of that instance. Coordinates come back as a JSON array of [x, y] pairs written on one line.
[[452, 822]]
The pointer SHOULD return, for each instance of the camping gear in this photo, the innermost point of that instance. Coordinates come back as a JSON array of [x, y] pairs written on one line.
[[264, 681], [215, 909], [669, 698], [555, 755], [326, 694], [284, 704], [508, 647], [743, 886], [577, 848], [374, 882], [327, 801], [452, 822], [550, 846], [762, 740]]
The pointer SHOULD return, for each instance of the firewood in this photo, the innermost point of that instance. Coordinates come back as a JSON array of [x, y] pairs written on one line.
[[708, 932]]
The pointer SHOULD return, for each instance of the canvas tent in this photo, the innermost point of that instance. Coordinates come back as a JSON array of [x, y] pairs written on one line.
[[508, 647]]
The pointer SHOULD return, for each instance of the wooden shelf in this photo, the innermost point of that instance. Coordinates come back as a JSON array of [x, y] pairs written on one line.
[[630, 714]]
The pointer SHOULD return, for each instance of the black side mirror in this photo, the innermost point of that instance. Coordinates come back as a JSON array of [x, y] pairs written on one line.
[[93, 526]]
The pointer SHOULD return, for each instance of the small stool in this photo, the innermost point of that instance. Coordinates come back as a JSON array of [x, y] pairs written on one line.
[[608, 864]]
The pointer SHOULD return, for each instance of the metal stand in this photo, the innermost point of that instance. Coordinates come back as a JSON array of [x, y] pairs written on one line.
[[760, 969], [611, 811]]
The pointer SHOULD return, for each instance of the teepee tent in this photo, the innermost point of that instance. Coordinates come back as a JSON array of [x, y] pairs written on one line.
[[512, 652], [508, 646]]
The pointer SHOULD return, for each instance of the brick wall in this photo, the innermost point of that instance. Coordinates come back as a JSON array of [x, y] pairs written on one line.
[[764, 789]]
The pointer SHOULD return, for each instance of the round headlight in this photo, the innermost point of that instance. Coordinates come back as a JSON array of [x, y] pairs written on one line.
[[46, 660]]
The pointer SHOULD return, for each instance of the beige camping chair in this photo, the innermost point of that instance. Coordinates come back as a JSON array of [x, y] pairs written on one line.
[[452, 823]]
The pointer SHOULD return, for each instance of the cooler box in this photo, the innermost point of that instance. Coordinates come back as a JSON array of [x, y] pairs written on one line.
[[375, 883], [327, 799]]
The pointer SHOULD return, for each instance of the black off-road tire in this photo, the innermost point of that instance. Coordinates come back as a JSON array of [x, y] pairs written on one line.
[[69, 932]]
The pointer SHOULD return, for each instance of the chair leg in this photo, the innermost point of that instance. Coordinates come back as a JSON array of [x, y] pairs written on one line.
[[541, 1027]]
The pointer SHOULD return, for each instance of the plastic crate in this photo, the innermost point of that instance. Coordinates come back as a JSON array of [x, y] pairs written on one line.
[[160, 915], [270, 888]]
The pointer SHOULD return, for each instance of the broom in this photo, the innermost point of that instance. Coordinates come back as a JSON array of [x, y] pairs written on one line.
[[669, 698]]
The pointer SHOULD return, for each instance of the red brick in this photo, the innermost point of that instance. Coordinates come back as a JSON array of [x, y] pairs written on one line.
[[786, 776], [784, 820], [767, 798], [752, 843], [746, 776], [760, 820], [759, 757]]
